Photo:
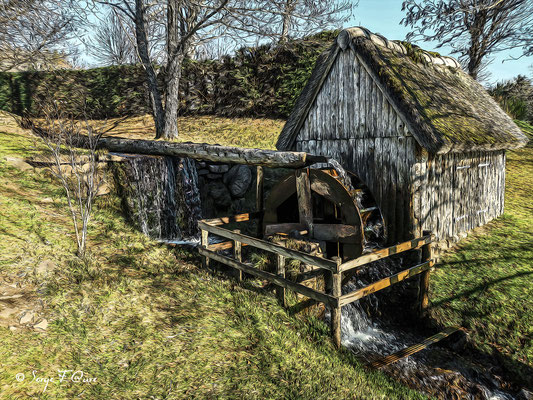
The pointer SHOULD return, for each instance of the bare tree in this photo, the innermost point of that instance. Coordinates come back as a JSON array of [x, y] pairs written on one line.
[[34, 33], [75, 167], [282, 19], [188, 23], [113, 42], [474, 29]]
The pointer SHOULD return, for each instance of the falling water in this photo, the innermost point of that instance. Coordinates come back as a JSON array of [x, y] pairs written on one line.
[[162, 196], [439, 371]]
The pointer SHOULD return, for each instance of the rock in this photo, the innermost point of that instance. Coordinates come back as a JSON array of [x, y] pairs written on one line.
[[525, 394], [44, 266], [203, 172], [18, 163], [238, 180], [218, 169], [214, 176], [220, 194], [43, 324], [13, 328], [105, 188], [27, 317], [237, 206], [201, 164]]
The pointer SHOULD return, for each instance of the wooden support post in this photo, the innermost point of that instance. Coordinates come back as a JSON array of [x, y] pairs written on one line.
[[237, 253], [427, 256], [205, 245], [259, 199], [336, 283], [305, 204], [280, 270]]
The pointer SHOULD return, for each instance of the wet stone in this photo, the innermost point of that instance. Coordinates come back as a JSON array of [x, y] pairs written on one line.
[[219, 169], [238, 180]]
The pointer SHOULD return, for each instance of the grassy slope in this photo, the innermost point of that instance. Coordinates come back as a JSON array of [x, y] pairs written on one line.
[[243, 132], [146, 321], [486, 284]]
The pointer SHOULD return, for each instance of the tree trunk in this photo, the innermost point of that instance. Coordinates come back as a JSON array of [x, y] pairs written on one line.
[[142, 46], [172, 96], [176, 54], [287, 14]]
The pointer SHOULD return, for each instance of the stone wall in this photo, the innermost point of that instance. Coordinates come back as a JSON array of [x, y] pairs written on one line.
[[225, 189]]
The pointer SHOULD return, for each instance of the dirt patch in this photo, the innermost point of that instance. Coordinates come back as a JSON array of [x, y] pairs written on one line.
[[20, 307]]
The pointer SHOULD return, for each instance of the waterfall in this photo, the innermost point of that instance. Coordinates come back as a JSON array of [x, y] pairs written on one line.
[[161, 195]]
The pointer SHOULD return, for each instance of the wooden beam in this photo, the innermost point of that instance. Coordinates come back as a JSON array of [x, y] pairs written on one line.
[[223, 246], [304, 290], [384, 283], [234, 218], [305, 203], [389, 251], [280, 290], [285, 228], [383, 361], [260, 198], [335, 232], [427, 255], [205, 244], [237, 253], [209, 152], [271, 247], [336, 312]]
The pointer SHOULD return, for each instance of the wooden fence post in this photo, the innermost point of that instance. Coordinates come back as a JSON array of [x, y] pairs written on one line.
[[305, 201], [237, 252], [280, 270], [427, 255], [259, 198], [336, 286], [205, 244]]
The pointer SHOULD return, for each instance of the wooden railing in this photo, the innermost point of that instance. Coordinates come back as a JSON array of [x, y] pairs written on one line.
[[331, 269]]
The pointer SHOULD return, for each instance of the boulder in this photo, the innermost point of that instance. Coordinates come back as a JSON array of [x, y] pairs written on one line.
[[18, 163], [220, 194], [218, 168], [238, 180], [214, 176]]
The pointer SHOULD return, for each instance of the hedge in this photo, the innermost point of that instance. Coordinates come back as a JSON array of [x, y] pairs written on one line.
[[256, 81]]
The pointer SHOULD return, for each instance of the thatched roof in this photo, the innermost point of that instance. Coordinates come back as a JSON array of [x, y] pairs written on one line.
[[445, 109]]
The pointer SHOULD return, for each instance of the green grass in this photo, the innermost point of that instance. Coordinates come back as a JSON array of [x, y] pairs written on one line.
[[146, 321], [486, 284], [527, 129], [242, 132]]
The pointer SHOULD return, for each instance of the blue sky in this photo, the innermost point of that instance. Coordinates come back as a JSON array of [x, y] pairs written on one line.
[[384, 16]]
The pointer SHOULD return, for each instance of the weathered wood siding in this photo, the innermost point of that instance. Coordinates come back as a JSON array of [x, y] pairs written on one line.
[[352, 121], [455, 193]]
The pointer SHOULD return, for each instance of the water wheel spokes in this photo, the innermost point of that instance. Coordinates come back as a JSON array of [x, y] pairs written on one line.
[[317, 205]]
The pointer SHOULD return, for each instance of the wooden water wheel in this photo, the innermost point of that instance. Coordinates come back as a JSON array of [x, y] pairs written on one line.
[[322, 205]]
